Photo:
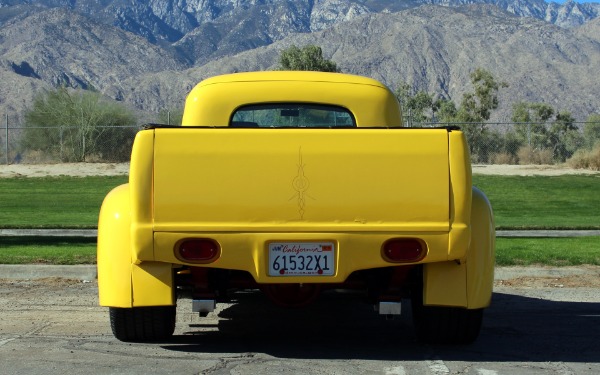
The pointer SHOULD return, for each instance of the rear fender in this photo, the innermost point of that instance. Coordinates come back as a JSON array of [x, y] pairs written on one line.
[[482, 253], [468, 282], [114, 249], [121, 283]]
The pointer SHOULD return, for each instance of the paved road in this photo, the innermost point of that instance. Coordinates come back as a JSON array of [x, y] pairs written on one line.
[[48, 233], [53, 328]]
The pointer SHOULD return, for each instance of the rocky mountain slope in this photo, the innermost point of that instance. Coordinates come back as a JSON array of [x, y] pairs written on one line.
[[60, 48], [151, 62], [434, 49], [232, 26]]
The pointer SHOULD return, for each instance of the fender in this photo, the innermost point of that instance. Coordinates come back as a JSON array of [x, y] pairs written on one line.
[[468, 282], [121, 283], [482, 252], [114, 254]]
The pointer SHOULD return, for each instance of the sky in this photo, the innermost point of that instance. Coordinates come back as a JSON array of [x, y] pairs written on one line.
[[578, 1]]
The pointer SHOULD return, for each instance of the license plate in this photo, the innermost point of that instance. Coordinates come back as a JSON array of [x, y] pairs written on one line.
[[301, 259]]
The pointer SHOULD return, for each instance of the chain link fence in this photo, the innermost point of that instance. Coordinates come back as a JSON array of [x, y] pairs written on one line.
[[66, 144], [527, 143], [489, 143]]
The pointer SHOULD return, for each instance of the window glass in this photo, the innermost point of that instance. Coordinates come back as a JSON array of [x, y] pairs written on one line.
[[292, 116]]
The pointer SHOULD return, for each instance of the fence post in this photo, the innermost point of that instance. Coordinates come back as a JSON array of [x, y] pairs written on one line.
[[6, 139], [61, 143], [83, 145]]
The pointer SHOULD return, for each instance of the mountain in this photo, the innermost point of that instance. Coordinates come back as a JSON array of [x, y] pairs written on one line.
[[202, 30], [169, 21], [64, 48], [571, 13], [57, 47], [590, 30], [434, 49], [149, 55]]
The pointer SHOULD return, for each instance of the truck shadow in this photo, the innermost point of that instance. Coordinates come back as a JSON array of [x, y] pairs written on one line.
[[515, 328]]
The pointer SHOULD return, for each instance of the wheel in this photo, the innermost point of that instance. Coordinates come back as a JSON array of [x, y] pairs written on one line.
[[445, 325], [140, 324]]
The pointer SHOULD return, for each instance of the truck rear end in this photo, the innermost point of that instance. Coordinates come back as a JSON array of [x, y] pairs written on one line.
[[295, 211]]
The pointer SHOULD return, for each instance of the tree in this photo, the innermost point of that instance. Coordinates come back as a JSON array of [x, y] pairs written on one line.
[[475, 108], [532, 119], [564, 137], [446, 110], [542, 128], [309, 57], [77, 125], [591, 131], [415, 105], [478, 106]]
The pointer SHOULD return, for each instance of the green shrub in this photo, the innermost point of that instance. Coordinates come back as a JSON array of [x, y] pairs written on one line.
[[76, 126]]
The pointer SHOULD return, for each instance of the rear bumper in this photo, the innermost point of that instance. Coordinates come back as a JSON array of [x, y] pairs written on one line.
[[249, 252]]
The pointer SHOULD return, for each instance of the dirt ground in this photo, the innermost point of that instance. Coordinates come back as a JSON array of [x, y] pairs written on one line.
[[68, 169], [117, 169], [568, 277]]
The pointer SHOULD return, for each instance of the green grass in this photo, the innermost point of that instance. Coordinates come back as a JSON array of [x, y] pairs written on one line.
[[548, 251], [509, 251], [563, 202], [571, 202], [47, 250], [542, 202], [53, 202]]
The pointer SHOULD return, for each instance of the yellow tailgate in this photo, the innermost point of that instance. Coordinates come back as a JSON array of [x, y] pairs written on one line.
[[299, 180]]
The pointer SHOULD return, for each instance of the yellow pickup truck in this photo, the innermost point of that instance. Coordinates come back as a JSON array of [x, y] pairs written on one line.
[[296, 184]]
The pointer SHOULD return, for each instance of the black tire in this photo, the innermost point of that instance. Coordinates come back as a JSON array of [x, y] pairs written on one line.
[[445, 325], [142, 324]]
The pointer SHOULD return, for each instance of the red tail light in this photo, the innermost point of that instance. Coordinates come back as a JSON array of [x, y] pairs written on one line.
[[198, 250], [404, 250]]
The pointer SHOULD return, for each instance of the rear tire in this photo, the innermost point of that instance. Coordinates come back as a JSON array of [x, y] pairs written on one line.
[[445, 325], [140, 324]]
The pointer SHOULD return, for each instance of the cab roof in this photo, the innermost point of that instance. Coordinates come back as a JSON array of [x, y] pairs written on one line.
[[214, 100]]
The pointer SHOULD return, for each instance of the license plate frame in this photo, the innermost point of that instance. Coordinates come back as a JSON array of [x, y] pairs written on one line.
[[301, 258]]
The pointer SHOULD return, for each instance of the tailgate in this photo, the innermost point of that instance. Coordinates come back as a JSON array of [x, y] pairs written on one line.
[[227, 179]]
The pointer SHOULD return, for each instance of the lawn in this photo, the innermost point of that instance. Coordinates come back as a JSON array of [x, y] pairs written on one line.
[[572, 251], [542, 202], [53, 202], [566, 202], [562, 202], [509, 251], [47, 250]]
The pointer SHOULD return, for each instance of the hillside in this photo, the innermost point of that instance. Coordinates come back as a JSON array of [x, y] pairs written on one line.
[[434, 48]]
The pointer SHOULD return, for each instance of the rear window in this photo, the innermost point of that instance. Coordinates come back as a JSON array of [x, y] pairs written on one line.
[[292, 116]]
